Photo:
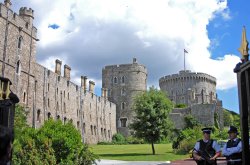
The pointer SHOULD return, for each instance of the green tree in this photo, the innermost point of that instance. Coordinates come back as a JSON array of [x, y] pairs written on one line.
[[191, 121], [152, 122]]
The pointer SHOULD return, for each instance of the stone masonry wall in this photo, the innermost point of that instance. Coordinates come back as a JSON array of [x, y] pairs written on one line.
[[44, 93], [123, 83]]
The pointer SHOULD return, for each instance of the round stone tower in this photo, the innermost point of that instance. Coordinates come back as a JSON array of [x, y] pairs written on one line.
[[189, 87], [123, 82]]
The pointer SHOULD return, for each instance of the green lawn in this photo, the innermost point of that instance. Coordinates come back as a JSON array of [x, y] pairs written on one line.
[[136, 152]]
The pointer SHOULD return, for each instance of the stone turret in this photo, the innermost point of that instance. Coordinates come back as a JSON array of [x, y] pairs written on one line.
[[67, 70], [7, 3], [58, 67], [91, 86], [123, 82], [27, 14]]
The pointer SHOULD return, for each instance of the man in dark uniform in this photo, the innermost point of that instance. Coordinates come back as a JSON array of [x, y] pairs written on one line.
[[233, 148], [206, 150], [6, 140]]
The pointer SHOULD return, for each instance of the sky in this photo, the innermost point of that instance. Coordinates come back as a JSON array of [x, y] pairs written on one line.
[[90, 34]]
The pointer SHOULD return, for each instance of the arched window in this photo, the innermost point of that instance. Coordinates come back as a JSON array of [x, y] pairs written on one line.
[[48, 102], [24, 97], [38, 116], [49, 115], [123, 106], [78, 124], [18, 67], [123, 122], [123, 79], [20, 39], [123, 92], [91, 129], [115, 80]]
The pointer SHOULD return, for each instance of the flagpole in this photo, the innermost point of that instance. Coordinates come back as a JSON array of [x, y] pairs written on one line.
[[184, 60]]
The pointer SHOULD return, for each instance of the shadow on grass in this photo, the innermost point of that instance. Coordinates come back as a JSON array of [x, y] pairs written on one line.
[[123, 155]]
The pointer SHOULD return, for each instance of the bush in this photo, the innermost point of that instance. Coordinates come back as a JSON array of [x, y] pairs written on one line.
[[118, 139], [134, 140], [180, 106], [105, 143]]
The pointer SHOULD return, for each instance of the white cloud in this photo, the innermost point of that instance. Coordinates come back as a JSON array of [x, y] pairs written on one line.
[[95, 33]]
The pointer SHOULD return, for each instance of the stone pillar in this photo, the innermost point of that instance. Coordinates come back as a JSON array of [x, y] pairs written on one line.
[[91, 86], [58, 67], [67, 70]]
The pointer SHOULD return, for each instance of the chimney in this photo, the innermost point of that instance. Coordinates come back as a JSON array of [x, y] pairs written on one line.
[[67, 70], [91, 86], [7, 3], [84, 83], [27, 14], [134, 61], [58, 67], [103, 89]]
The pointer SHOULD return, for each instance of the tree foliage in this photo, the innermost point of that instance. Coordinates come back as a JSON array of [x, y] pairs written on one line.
[[152, 122], [53, 143]]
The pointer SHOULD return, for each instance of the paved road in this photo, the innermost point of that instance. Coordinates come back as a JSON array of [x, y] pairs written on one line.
[[178, 162], [118, 162]]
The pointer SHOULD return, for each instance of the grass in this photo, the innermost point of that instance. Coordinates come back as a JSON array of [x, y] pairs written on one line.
[[136, 152]]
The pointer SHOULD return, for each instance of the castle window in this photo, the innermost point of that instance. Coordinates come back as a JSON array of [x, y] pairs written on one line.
[[105, 133], [115, 80], [100, 120], [48, 86], [64, 107], [90, 105], [78, 124], [24, 97], [48, 102], [64, 94], [58, 78], [20, 39], [123, 92], [95, 129], [38, 115], [123, 79], [102, 131], [91, 129], [18, 67], [123, 122], [49, 115], [84, 130], [68, 96], [57, 91], [123, 105]]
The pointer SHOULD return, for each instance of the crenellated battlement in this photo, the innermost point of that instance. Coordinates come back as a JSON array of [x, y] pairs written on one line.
[[17, 20], [188, 75], [24, 11]]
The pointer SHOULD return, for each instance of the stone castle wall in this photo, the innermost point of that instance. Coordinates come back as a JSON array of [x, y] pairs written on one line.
[[46, 94], [123, 83], [189, 88]]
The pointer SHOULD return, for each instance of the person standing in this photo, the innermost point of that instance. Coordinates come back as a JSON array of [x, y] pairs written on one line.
[[232, 150], [206, 150], [6, 140]]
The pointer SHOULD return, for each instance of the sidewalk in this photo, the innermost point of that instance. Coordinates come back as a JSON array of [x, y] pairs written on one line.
[[119, 162], [220, 161]]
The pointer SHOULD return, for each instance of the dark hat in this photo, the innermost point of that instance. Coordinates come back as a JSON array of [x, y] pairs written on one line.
[[233, 129], [206, 130]]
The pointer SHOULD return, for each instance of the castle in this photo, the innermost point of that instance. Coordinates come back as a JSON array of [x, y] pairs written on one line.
[[51, 94], [46, 94], [198, 92]]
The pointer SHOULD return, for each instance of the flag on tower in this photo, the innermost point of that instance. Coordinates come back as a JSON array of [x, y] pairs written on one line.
[[185, 51]]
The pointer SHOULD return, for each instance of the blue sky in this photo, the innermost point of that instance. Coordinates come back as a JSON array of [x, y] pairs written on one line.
[[89, 34], [228, 37]]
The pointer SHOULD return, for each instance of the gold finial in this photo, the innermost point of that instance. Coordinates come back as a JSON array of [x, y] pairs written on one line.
[[244, 45]]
